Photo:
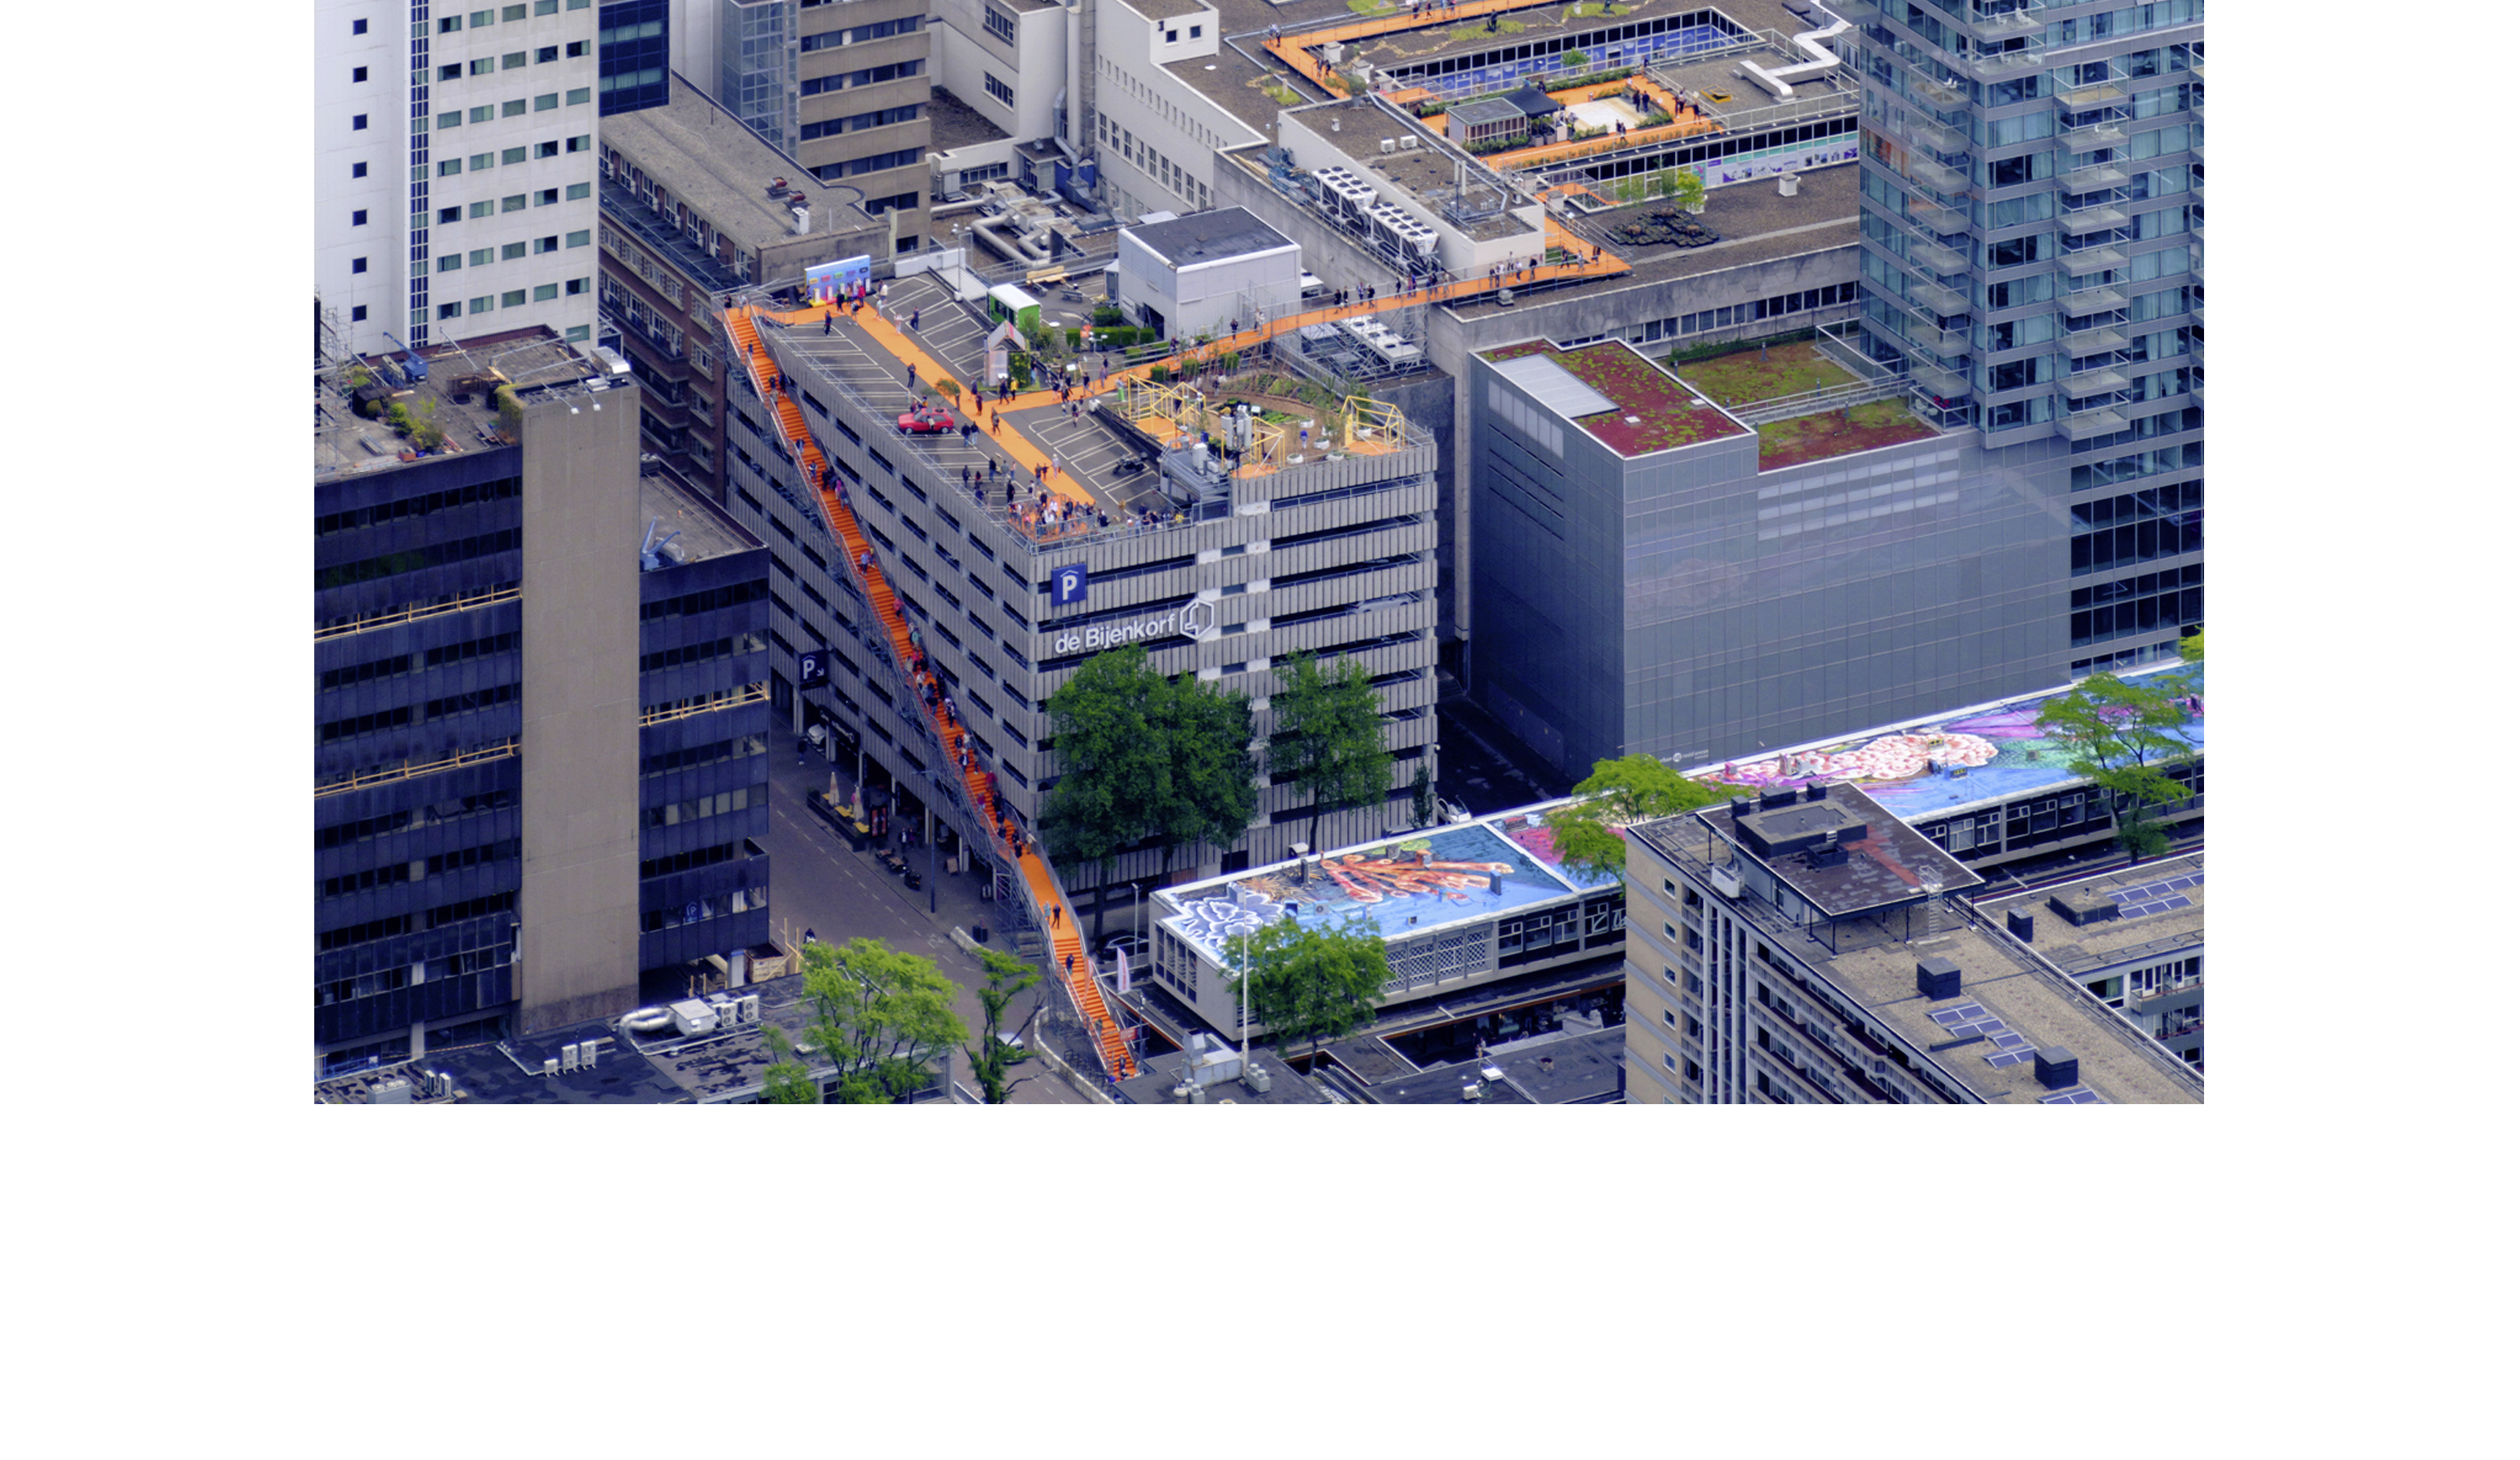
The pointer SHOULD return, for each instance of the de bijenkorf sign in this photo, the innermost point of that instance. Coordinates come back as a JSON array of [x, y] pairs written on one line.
[[1193, 620]]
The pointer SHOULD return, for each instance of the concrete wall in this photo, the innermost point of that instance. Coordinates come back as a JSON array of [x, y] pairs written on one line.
[[339, 146], [1034, 66], [579, 904], [1165, 118]]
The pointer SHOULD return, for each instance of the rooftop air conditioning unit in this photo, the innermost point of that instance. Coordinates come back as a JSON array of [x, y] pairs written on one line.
[[1726, 880], [568, 1057], [1389, 146], [1409, 142]]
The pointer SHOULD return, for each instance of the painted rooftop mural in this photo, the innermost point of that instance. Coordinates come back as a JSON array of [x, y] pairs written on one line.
[[1524, 829], [1404, 886], [1985, 752]]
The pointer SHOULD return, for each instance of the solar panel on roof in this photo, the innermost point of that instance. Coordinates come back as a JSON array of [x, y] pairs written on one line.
[[1971, 1011], [2076, 1096], [1944, 1016], [2008, 1057], [2007, 1039]]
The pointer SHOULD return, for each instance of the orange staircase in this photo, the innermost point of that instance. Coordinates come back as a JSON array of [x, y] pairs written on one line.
[[1070, 962]]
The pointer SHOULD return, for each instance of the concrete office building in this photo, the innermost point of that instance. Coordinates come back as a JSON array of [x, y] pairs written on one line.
[[691, 214], [1647, 589], [1008, 62], [1311, 545], [510, 714], [1809, 948], [841, 85], [2134, 936], [454, 171]]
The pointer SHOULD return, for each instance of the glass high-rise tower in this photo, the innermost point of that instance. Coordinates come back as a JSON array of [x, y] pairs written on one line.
[[2033, 225]]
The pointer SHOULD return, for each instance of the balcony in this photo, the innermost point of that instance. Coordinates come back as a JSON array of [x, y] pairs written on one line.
[[2099, 177], [1950, 181], [2098, 218], [2005, 65], [2093, 258], [2099, 382], [2098, 421], [1936, 218], [1937, 298], [1936, 257], [2092, 138], [2092, 97], [2004, 25], [2100, 339], [1935, 135], [1929, 343], [2101, 300], [1947, 383]]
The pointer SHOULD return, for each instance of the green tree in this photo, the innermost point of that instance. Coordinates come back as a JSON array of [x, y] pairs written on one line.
[[991, 1057], [788, 1081], [880, 1015], [1421, 797], [1619, 792], [1111, 761], [1684, 187], [2119, 736], [2192, 648], [1330, 736], [1144, 756], [1312, 982], [1209, 795]]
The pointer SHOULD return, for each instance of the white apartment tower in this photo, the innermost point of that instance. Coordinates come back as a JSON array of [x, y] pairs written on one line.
[[454, 170]]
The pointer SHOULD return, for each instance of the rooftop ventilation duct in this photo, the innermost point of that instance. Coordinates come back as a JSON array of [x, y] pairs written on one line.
[[1824, 60], [1938, 977], [2056, 1067], [2020, 925]]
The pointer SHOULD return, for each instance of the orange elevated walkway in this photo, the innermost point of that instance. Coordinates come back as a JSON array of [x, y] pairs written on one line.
[[1069, 959]]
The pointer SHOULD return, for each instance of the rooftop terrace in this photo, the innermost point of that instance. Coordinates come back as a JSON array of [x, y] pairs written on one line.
[[1648, 409], [452, 392], [1113, 456]]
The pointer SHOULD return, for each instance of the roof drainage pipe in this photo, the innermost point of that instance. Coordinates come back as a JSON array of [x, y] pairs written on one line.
[[1824, 60]]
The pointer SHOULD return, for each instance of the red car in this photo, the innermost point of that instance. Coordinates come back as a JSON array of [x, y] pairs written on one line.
[[926, 421]]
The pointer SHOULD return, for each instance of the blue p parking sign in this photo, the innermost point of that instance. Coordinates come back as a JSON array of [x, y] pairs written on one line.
[[813, 667], [1067, 585]]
